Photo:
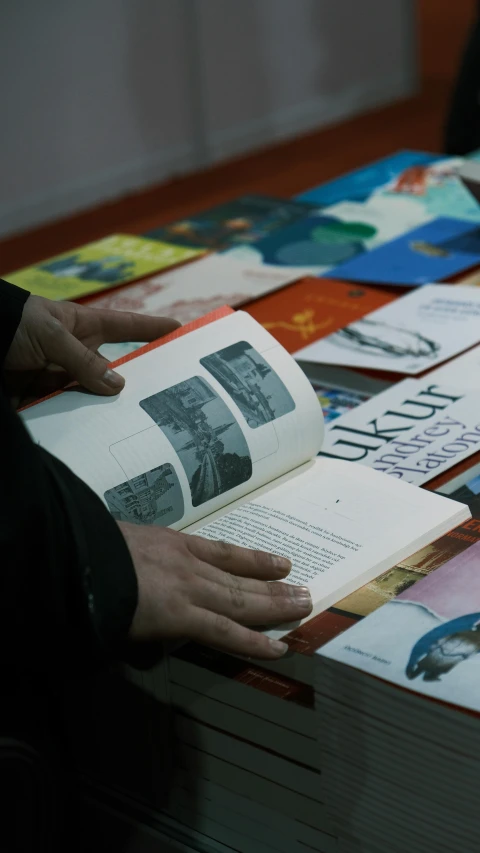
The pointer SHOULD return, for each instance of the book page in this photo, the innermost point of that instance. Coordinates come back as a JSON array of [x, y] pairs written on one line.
[[341, 525], [202, 421]]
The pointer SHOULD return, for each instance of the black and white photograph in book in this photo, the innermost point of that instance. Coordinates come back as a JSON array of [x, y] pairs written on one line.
[[154, 497], [254, 386], [205, 435]]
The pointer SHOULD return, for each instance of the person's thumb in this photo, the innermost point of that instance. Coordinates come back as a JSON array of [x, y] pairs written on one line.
[[89, 368]]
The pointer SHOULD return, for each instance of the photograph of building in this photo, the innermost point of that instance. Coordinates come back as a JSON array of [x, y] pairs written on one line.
[[154, 497], [205, 435], [257, 390]]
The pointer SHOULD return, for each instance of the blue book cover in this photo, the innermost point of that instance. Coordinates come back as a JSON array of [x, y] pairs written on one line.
[[359, 185], [432, 252]]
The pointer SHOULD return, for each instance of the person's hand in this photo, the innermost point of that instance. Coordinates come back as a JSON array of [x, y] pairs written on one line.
[[193, 588], [63, 338]]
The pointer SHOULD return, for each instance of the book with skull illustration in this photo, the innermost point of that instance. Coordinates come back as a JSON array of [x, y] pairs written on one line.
[[217, 432], [411, 335]]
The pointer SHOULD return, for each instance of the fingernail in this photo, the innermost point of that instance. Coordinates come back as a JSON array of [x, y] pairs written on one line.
[[278, 647], [114, 380], [303, 597]]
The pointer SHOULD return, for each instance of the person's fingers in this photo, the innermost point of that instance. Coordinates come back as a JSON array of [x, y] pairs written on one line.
[[212, 573], [243, 562], [273, 604], [222, 633], [86, 366], [119, 326]]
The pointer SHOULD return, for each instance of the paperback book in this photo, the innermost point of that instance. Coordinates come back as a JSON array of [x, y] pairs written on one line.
[[329, 237], [427, 638], [435, 251], [434, 189], [312, 308], [243, 220], [221, 439], [106, 263], [409, 335], [192, 291], [404, 168], [413, 431]]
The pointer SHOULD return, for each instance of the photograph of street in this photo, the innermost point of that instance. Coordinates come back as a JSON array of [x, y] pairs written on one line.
[[257, 390], [154, 497], [205, 435]]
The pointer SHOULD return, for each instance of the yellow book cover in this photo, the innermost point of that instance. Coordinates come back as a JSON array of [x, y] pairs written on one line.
[[114, 260]]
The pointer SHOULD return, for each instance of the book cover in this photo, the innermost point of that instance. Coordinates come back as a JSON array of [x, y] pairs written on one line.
[[312, 308], [411, 570], [433, 252], [414, 431], [191, 291], [436, 189], [326, 238], [336, 402], [428, 638], [243, 220], [408, 335], [97, 266], [361, 183]]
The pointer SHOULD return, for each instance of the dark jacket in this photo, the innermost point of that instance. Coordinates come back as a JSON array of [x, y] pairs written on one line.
[[68, 587]]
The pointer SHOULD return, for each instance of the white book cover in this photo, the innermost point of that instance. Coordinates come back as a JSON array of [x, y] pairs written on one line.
[[410, 335], [193, 290], [413, 431], [370, 427], [427, 639]]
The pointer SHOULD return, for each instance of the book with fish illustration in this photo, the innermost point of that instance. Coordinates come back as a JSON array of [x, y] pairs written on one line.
[[428, 638]]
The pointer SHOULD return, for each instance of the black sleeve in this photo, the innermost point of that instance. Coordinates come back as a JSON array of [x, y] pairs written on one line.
[[68, 586]]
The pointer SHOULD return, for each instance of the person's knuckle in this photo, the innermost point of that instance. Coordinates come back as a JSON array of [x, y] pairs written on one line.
[[53, 328], [260, 558], [222, 624], [89, 358], [237, 595], [225, 550], [255, 644]]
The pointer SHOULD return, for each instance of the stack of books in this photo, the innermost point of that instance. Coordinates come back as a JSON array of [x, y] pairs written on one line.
[[397, 702]]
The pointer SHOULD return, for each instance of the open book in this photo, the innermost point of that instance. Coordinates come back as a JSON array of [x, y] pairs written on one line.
[[217, 432]]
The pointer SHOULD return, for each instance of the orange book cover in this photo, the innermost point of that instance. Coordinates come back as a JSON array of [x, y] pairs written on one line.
[[312, 308]]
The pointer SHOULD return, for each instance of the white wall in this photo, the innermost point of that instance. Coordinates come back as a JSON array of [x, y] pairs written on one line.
[[100, 97]]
